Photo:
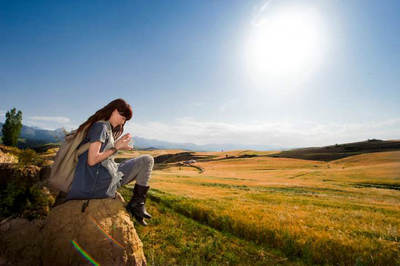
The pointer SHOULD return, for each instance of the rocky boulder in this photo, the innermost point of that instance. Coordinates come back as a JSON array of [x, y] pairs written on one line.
[[7, 157], [104, 233], [20, 241]]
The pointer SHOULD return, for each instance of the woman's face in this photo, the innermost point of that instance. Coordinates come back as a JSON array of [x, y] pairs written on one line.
[[117, 119]]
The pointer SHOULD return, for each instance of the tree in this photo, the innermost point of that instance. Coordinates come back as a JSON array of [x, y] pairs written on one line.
[[12, 127]]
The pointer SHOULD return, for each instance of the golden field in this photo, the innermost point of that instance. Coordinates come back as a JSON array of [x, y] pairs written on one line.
[[344, 212], [341, 212]]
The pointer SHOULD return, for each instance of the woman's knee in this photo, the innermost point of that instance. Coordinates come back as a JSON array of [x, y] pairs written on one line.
[[148, 160]]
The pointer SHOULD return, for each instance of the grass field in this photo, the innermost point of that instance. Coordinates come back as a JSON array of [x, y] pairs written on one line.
[[343, 212], [172, 238]]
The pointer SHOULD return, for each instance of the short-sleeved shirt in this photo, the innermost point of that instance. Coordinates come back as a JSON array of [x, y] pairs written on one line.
[[91, 182]]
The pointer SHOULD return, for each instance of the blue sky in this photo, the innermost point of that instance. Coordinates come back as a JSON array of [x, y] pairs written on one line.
[[324, 72]]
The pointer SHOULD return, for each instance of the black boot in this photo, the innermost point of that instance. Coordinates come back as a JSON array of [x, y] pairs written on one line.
[[143, 195], [136, 204]]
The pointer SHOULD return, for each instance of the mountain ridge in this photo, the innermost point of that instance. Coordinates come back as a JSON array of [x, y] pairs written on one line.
[[34, 136]]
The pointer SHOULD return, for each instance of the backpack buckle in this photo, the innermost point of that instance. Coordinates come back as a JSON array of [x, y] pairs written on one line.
[[84, 205]]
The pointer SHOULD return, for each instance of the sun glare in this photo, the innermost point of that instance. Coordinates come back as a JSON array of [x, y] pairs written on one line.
[[285, 47]]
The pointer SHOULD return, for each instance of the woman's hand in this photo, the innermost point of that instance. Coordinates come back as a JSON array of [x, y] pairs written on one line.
[[123, 143]]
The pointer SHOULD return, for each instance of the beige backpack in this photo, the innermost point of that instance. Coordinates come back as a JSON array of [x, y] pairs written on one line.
[[63, 169]]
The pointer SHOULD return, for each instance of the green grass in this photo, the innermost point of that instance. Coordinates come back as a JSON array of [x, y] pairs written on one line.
[[174, 239], [317, 248]]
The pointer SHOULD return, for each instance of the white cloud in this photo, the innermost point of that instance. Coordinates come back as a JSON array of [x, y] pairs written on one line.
[[279, 133], [49, 122], [286, 134], [58, 119]]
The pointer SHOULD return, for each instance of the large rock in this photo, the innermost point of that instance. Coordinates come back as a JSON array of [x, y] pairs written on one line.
[[10, 172], [103, 233], [20, 242], [6, 157]]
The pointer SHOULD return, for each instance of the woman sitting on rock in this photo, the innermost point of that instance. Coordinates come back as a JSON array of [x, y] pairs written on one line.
[[97, 175]]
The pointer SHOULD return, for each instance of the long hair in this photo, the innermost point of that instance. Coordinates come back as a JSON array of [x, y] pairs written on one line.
[[105, 113]]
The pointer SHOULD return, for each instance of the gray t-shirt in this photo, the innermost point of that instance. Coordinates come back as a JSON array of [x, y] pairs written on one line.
[[91, 182]]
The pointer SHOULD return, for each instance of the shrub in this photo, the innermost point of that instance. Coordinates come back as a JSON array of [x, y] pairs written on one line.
[[29, 157], [21, 193]]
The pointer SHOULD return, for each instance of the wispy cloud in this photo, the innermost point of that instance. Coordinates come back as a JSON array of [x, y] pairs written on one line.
[[286, 134], [259, 17], [279, 133], [58, 119], [49, 122]]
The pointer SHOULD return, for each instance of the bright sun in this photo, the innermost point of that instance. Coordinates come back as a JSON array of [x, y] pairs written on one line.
[[285, 48]]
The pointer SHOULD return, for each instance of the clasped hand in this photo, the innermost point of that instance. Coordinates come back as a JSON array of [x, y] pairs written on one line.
[[123, 143]]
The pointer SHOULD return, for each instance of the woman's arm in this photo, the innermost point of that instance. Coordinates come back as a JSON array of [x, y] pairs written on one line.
[[94, 154]]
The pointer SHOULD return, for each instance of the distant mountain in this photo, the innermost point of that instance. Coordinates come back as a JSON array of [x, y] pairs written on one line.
[[142, 143], [35, 136]]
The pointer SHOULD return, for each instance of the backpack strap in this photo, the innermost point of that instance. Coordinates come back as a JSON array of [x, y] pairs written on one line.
[[85, 205], [83, 148]]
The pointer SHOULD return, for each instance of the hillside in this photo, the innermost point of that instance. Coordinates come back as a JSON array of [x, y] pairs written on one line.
[[274, 202], [248, 208], [337, 151]]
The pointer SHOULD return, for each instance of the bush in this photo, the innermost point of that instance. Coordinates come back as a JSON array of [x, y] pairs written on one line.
[[22, 194], [29, 157]]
